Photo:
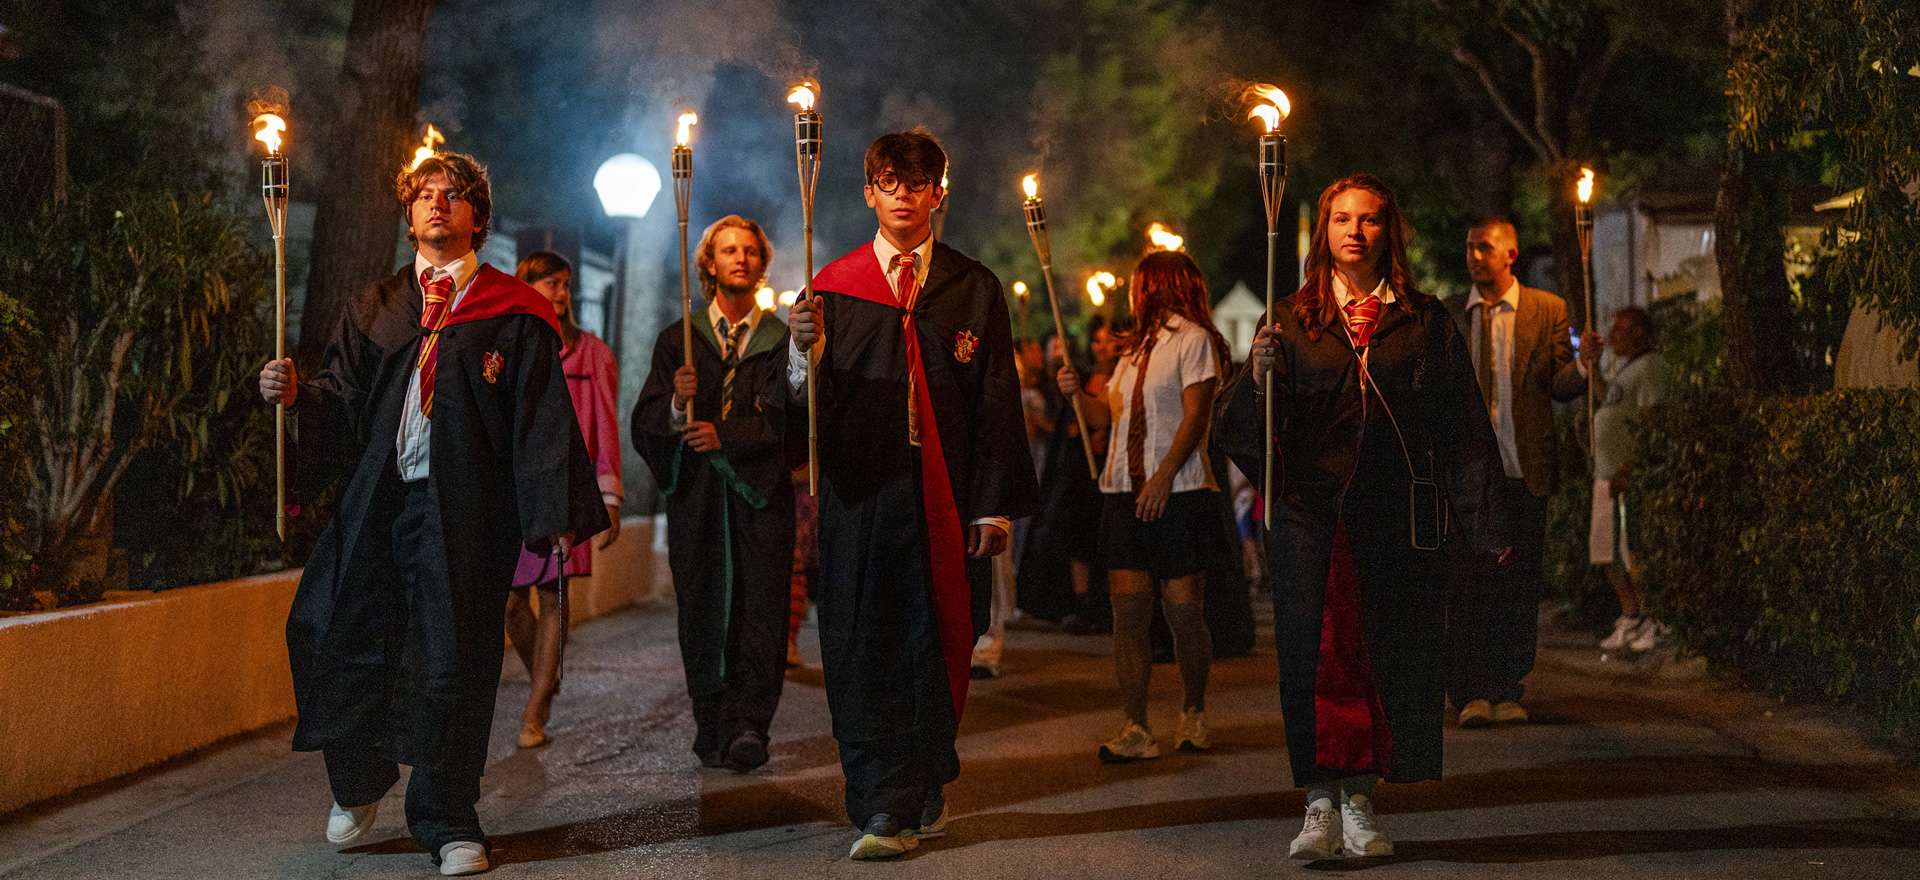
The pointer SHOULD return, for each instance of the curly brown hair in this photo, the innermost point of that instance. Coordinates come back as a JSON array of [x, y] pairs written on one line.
[[469, 181]]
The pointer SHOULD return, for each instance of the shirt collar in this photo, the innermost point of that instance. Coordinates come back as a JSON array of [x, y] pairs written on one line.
[[1342, 295], [1511, 298], [715, 316], [462, 270], [885, 250]]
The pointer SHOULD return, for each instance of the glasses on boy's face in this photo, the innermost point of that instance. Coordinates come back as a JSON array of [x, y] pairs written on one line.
[[890, 183]]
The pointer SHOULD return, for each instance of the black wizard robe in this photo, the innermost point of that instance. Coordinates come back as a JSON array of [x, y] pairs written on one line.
[[729, 524], [1359, 613], [509, 470], [893, 514], [1066, 526]]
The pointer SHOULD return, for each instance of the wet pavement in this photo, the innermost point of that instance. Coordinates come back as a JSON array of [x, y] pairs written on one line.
[[1629, 770]]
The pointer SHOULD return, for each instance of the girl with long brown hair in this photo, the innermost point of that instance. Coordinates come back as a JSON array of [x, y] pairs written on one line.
[[1383, 457], [593, 380], [1157, 522]]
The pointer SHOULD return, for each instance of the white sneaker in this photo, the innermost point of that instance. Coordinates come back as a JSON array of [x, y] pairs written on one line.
[[1652, 635], [1131, 743], [463, 857], [1624, 629], [1193, 731], [1361, 835], [346, 825], [1320, 838]]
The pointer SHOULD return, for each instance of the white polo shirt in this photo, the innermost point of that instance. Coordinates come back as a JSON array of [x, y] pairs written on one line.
[[1183, 355]]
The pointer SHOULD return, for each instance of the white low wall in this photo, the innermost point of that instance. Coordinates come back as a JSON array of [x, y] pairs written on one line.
[[88, 694]]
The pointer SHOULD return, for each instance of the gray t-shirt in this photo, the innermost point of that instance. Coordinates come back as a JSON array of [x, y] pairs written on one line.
[[1640, 383]]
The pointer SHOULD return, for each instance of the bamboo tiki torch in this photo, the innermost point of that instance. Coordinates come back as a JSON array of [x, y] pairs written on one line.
[[1037, 230], [682, 199], [1273, 108], [1020, 296], [1583, 227], [806, 151], [273, 190]]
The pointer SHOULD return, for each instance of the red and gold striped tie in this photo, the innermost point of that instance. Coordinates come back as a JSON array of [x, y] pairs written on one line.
[[432, 318], [906, 289]]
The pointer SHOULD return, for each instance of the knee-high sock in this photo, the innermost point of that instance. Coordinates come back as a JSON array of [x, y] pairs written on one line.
[[1192, 647], [1133, 651]]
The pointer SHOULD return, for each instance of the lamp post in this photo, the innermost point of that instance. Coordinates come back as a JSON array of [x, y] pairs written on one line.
[[627, 185]]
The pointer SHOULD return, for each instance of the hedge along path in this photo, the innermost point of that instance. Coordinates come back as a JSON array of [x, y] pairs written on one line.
[[1782, 541]]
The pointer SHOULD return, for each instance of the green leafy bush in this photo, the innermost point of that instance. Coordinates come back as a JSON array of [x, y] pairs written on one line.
[[19, 377], [1782, 541]]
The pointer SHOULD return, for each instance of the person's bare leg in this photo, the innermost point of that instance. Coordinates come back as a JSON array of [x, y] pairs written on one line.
[[545, 669], [1625, 590], [1082, 575], [520, 626]]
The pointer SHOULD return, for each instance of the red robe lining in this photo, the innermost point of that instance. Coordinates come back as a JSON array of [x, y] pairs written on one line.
[[1350, 723]]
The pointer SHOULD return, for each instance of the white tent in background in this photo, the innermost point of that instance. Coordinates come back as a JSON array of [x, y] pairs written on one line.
[[1237, 317]]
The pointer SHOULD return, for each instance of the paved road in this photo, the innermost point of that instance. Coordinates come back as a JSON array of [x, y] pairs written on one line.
[[1624, 775]]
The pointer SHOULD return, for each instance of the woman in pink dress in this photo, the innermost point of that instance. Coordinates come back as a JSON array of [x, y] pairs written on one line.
[[593, 379]]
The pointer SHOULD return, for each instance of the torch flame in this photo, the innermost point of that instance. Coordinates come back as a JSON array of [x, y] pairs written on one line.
[[686, 128], [1586, 184], [802, 95], [1107, 280], [764, 299], [1164, 239], [1275, 108], [425, 150], [1095, 292], [1031, 183], [1019, 288], [789, 297], [270, 128]]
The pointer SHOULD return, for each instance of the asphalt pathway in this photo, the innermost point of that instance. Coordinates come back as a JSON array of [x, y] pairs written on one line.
[[1631, 769]]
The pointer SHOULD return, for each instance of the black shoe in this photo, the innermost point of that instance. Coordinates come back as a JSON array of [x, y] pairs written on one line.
[[933, 817], [883, 838], [747, 751]]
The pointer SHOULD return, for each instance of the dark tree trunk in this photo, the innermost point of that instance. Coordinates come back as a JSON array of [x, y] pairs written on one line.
[[1750, 247], [1492, 165], [371, 126]]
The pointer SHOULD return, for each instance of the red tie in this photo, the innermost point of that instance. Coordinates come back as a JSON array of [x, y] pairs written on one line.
[[1362, 316], [906, 289], [432, 318]]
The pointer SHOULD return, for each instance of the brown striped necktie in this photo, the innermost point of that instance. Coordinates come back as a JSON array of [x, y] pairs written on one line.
[[730, 339], [1486, 356], [432, 318], [1137, 422]]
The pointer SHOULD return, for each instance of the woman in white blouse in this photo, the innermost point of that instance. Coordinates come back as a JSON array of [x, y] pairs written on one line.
[[1157, 523]]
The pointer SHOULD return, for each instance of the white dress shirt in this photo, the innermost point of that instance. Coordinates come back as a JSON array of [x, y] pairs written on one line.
[[718, 320], [415, 442], [1504, 311], [1182, 356], [1343, 294], [886, 252]]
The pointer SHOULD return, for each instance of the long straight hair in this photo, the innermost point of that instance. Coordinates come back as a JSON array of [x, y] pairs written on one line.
[[540, 265], [1315, 304], [1169, 283]]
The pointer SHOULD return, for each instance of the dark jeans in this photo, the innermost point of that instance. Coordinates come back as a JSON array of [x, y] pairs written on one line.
[[1493, 620], [440, 800], [439, 805], [898, 774]]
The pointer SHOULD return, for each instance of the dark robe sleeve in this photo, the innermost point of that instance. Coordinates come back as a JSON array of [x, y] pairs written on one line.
[[1463, 437], [331, 408], [651, 427], [555, 481], [1003, 483], [1240, 419]]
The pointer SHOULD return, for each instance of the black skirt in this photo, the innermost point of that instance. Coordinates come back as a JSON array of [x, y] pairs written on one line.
[[1177, 544]]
